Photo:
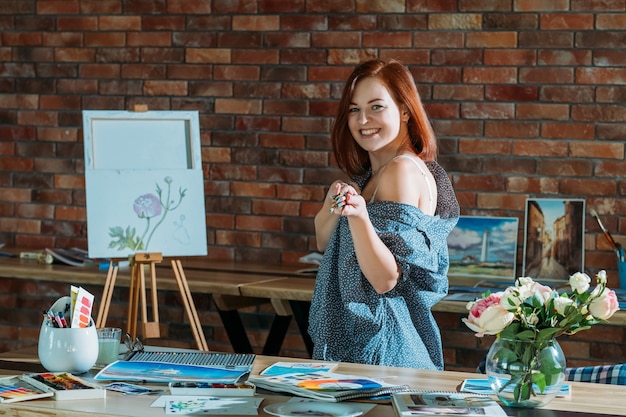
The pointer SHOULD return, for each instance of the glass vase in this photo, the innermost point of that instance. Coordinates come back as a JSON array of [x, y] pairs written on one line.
[[525, 373]]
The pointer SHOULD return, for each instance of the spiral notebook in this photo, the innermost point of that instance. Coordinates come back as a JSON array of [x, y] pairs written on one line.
[[327, 386], [441, 403], [172, 366]]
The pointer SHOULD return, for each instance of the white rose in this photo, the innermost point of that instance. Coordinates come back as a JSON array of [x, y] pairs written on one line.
[[561, 303], [579, 282]]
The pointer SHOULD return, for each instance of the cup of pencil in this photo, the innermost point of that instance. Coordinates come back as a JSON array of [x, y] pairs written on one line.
[[63, 348]]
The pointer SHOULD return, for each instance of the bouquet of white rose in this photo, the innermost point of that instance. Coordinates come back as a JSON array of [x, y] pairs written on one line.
[[529, 310], [536, 314]]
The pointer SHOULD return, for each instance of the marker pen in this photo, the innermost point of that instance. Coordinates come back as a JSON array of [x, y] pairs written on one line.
[[63, 321]]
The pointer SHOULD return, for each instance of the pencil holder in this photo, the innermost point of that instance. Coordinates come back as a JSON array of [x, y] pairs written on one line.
[[621, 269], [67, 349]]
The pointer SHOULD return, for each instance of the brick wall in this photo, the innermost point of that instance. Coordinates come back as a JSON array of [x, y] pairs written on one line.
[[526, 96]]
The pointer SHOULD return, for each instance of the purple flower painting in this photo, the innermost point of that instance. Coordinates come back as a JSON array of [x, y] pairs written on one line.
[[150, 208]]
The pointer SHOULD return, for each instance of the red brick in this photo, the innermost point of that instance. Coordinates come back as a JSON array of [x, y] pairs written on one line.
[[487, 40], [566, 21], [165, 88], [119, 22], [540, 148], [541, 5], [542, 111], [336, 39], [601, 75], [500, 201], [148, 39], [568, 131], [575, 186], [108, 39], [564, 57], [57, 7], [598, 113], [258, 223], [509, 57], [397, 39], [74, 55]]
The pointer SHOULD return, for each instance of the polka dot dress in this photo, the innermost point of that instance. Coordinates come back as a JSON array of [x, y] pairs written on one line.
[[350, 322]]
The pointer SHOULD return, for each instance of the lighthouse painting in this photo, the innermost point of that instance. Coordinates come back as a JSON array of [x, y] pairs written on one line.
[[484, 247]]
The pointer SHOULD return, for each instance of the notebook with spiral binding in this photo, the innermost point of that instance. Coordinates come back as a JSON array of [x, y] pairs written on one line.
[[442, 403], [238, 361], [172, 366], [327, 386]]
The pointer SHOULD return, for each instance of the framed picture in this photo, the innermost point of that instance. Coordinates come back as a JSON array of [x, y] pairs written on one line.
[[554, 238], [483, 247], [144, 183]]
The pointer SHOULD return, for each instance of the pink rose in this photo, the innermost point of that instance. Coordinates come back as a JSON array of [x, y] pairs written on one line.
[[604, 305], [487, 316]]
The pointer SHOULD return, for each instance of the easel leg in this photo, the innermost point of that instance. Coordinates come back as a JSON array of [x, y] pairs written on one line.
[[138, 285], [133, 298], [103, 311], [190, 306]]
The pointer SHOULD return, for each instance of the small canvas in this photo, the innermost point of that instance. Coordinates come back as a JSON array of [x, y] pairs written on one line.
[[483, 247], [554, 238], [144, 183]]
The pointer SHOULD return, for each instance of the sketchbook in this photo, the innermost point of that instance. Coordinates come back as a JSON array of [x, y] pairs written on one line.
[[440, 403], [164, 372], [281, 368], [327, 386]]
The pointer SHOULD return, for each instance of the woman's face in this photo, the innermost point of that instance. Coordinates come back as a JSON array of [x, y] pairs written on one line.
[[374, 118]]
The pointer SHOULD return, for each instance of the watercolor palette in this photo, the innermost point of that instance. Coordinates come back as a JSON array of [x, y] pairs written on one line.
[[15, 388]]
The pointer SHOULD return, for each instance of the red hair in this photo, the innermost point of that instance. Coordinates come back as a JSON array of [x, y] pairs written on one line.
[[399, 81]]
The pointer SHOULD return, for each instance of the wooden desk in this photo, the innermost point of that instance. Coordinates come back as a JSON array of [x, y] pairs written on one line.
[[587, 399], [233, 285], [222, 285]]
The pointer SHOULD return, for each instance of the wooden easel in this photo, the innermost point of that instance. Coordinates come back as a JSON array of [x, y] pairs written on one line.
[[138, 287]]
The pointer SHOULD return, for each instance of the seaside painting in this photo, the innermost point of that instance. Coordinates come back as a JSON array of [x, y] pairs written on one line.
[[484, 247]]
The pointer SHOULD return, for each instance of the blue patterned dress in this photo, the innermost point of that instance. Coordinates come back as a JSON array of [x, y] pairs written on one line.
[[350, 322]]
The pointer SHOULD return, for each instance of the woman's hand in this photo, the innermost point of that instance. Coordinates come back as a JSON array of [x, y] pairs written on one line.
[[345, 199]]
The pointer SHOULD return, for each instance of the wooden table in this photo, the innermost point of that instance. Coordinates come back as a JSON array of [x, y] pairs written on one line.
[[233, 285], [587, 398], [223, 285]]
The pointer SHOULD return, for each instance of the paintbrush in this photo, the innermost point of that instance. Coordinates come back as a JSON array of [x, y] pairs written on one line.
[[607, 235]]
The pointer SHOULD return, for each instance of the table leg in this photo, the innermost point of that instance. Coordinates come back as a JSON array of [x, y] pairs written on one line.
[[276, 335], [235, 331], [301, 314]]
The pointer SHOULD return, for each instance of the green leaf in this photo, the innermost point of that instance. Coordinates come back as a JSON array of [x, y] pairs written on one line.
[[540, 379]]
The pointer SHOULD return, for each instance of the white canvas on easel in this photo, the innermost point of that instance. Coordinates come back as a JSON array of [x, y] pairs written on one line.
[[144, 185]]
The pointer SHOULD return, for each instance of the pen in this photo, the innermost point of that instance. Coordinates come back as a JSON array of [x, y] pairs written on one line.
[[58, 321], [62, 318]]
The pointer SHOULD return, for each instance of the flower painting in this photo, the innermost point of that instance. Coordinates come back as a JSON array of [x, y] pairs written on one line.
[[151, 209], [144, 183]]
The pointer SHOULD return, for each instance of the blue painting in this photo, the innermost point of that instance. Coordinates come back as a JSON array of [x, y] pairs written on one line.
[[484, 247]]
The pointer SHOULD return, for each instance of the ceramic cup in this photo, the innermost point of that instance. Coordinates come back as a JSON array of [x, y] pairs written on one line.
[[72, 349]]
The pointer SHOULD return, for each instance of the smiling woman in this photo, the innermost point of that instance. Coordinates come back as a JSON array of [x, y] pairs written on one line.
[[384, 234]]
